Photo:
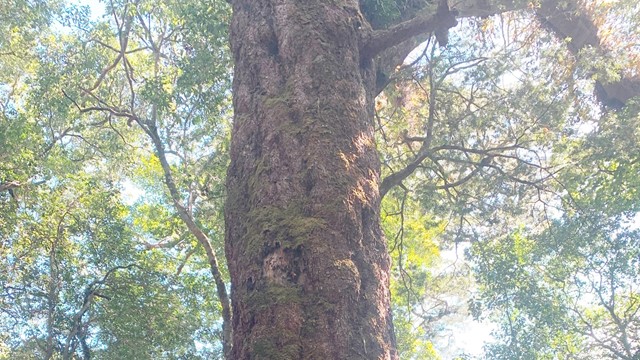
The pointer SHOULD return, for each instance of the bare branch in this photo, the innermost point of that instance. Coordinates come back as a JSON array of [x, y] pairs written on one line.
[[166, 243], [186, 258], [466, 178]]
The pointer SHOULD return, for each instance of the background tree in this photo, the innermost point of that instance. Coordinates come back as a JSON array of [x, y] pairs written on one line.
[[148, 79], [133, 303], [528, 188]]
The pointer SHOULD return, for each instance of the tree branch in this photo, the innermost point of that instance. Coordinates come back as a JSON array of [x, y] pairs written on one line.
[[149, 127], [574, 24], [397, 177], [478, 167], [393, 56], [9, 185], [377, 41], [89, 294], [202, 238]]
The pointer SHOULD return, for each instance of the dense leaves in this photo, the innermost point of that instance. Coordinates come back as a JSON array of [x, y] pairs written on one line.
[[506, 148], [87, 224]]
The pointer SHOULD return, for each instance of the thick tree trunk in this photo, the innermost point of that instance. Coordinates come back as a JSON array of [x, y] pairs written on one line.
[[307, 257]]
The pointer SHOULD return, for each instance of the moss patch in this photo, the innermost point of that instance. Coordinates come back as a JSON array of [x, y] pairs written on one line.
[[274, 227], [285, 343], [268, 348], [273, 294]]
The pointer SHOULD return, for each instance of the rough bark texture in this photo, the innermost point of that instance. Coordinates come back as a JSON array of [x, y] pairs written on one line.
[[307, 258]]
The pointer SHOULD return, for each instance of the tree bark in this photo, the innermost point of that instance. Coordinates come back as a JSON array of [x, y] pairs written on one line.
[[307, 258]]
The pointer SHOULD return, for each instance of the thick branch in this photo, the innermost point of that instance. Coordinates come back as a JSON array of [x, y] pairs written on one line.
[[393, 56], [572, 23], [377, 41], [424, 152], [397, 177]]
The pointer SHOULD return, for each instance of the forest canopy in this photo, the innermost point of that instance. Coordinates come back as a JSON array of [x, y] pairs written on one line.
[[509, 150]]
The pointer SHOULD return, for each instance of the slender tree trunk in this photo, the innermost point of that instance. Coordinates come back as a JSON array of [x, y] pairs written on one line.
[[187, 217], [308, 261]]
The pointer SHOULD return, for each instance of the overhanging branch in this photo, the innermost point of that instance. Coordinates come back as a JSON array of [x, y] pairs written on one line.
[[198, 233], [377, 41], [575, 24]]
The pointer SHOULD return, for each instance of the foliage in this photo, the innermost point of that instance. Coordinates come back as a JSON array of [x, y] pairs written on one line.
[[89, 271], [583, 268], [506, 142]]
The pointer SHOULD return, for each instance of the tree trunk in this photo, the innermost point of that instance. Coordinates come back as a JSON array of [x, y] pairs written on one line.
[[307, 258]]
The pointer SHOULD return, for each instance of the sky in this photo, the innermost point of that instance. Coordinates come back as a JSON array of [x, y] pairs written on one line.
[[96, 7]]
